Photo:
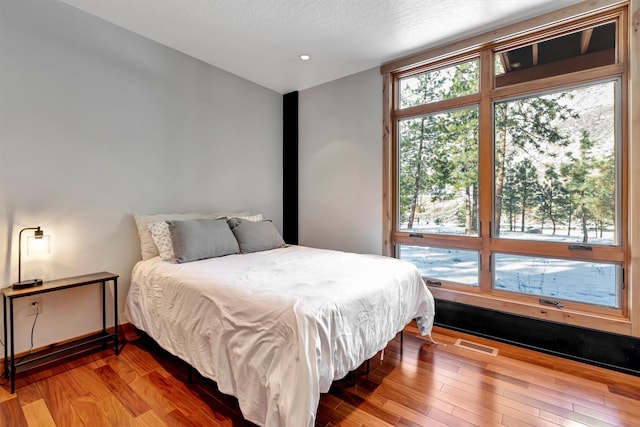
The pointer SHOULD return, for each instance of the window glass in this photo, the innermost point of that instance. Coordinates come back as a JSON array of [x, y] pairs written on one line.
[[454, 265], [582, 281], [438, 173], [555, 166], [437, 85], [534, 163]]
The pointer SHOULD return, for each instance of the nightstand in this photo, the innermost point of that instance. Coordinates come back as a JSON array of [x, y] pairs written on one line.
[[55, 353]]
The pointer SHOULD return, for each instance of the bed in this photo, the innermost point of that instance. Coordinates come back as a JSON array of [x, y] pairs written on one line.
[[276, 327]]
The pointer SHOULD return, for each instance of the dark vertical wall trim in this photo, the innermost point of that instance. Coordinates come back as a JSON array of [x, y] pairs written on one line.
[[290, 168]]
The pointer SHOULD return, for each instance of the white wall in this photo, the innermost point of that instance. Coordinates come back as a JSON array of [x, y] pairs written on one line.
[[97, 123], [340, 164]]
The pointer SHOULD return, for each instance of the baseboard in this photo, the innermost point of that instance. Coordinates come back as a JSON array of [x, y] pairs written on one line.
[[607, 350]]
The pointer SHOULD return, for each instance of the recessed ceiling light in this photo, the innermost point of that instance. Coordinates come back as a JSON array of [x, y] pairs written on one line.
[[305, 57]]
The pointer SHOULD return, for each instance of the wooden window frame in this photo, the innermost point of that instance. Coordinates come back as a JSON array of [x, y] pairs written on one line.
[[484, 47]]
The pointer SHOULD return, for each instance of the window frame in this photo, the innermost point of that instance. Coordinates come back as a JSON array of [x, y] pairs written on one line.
[[603, 318]]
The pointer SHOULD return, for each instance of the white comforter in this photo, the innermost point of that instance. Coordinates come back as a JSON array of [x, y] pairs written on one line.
[[275, 328]]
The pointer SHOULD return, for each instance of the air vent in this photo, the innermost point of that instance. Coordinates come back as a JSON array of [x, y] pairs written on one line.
[[480, 348]]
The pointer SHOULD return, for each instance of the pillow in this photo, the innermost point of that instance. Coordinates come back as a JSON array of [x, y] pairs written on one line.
[[201, 239], [255, 236], [217, 215], [161, 236], [148, 249], [254, 218], [162, 239]]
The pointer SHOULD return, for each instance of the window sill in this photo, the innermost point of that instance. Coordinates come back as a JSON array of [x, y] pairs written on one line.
[[614, 324]]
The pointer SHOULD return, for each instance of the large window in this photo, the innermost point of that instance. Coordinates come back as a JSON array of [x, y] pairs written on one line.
[[507, 171]]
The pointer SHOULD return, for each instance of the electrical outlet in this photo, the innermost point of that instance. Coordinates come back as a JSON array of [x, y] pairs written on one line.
[[35, 306]]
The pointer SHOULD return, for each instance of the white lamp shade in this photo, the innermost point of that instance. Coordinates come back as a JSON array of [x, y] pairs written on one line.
[[40, 245]]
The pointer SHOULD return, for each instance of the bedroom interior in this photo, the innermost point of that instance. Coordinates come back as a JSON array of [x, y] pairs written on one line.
[[124, 125]]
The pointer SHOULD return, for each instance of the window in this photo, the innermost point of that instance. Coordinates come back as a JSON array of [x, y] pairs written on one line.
[[507, 169]]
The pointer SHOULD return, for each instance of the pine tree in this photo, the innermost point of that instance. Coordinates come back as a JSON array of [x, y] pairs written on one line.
[[526, 125]]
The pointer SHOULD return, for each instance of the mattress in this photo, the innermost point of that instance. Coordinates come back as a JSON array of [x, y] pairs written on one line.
[[276, 328]]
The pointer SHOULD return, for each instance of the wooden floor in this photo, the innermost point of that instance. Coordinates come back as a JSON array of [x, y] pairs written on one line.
[[427, 385]]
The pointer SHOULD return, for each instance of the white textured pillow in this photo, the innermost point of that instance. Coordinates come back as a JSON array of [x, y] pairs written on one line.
[[162, 238], [254, 218], [148, 249]]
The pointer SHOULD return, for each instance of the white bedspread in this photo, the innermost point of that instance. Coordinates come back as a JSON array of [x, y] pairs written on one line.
[[275, 328]]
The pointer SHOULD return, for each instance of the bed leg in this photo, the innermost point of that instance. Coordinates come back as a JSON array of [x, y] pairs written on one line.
[[401, 341], [354, 380]]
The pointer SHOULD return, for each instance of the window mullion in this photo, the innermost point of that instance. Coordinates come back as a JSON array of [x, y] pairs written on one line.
[[485, 173]]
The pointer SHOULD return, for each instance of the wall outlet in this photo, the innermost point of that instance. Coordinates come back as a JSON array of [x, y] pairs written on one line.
[[35, 306]]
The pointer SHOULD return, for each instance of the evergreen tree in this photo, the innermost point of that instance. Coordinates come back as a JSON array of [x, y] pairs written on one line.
[[510, 196], [439, 152], [579, 182], [526, 125], [417, 140], [526, 183], [602, 180], [551, 197]]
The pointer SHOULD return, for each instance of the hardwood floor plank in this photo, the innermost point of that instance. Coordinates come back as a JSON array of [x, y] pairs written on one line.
[[631, 391], [37, 414], [177, 418], [4, 391], [184, 399], [425, 384], [623, 404], [499, 403], [89, 411], [611, 417], [117, 413], [122, 368], [447, 419], [91, 382], [508, 421], [206, 417], [366, 406], [150, 419], [560, 420], [29, 393], [121, 390], [563, 401], [568, 395], [11, 413], [469, 403], [407, 416], [474, 418], [154, 397], [354, 415], [406, 398], [330, 401], [142, 362], [54, 392], [555, 409]]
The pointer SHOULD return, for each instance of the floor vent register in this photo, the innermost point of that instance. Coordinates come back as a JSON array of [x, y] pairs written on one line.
[[480, 348]]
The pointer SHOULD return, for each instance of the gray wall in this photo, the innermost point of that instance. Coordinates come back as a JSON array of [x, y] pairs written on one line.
[[340, 155], [97, 123]]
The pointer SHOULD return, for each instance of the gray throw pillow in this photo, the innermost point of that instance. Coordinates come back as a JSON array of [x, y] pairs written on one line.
[[201, 238], [255, 236]]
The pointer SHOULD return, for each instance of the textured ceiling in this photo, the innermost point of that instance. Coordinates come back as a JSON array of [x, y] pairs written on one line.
[[261, 40]]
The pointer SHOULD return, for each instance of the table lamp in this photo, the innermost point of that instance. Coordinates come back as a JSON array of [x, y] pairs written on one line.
[[42, 240]]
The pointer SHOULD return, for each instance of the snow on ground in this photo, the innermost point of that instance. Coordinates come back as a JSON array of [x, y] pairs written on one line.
[[589, 282]]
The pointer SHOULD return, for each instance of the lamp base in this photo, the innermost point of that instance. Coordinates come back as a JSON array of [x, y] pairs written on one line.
[[27, 284]]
